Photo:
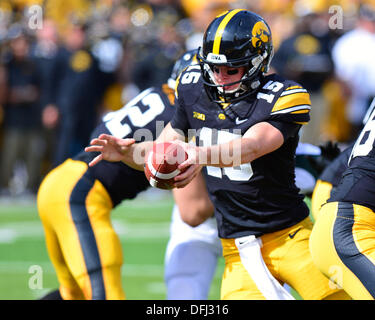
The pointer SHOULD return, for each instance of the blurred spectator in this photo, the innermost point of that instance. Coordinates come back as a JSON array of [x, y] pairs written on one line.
[[19, 94], [126, 46], [80, 86], [115, 57], [200, 20], [63, 12], [353, 55], [43, 52], [156, 42], [305, 57]]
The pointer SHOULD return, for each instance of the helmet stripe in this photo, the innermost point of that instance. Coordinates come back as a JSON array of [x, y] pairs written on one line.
[[220, 29]]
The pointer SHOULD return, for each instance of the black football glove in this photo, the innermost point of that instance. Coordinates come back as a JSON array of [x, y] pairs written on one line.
[[330, 150]]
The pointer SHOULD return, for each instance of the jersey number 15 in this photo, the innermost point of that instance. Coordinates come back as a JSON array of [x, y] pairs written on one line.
[[241, 173]]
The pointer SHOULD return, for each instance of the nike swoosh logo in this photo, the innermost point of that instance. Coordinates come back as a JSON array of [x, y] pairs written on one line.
[[291, 235], [238, 121]]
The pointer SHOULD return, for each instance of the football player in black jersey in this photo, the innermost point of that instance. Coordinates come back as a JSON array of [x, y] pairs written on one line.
[[342, 242], [75, 200], [196, 241], [331, 175], [246, 125]]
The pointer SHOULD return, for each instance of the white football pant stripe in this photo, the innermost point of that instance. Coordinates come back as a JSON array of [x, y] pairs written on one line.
[[252, 260]]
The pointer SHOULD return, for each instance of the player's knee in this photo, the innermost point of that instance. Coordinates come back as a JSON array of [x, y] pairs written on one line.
[[196, 216], [193, 221]]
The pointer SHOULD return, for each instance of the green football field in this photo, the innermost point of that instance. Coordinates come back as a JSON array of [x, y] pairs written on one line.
[[143, 227]]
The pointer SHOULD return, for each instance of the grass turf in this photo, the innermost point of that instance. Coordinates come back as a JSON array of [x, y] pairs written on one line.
[[143, 227]]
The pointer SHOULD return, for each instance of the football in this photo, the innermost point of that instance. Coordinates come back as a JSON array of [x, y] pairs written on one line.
[[161, 164]]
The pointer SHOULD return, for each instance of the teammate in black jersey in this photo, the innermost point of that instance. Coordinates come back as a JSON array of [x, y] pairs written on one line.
[[81, 242], [246, 125], [342, 243], [75, 200], [331, 175]]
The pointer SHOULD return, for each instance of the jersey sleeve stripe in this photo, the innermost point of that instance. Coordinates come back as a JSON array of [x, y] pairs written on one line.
[[291, 100], [301, 111], [293, 87], [306, 107], [176, 85], [289, 92]]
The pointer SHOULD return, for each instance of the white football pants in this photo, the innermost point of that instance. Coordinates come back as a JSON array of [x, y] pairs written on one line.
[[191, 258]]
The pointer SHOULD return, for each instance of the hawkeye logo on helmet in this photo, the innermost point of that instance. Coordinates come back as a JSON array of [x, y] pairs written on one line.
[[216, 58], [260, 34]]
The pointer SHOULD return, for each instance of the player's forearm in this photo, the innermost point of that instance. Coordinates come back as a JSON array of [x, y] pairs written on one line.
[[135, 158], [230, 154]]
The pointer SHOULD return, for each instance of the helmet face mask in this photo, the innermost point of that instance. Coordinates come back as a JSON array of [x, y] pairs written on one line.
[[237, 38]]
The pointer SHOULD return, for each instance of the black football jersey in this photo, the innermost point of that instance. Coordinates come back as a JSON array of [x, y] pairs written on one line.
[[357, 184], [143, 118], [257, 197]]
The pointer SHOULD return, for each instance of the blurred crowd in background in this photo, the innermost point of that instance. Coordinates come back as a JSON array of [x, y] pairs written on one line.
[[60, 75]]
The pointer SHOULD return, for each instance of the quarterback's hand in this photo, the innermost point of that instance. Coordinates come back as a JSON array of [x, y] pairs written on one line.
[[111, 148], [184, 178], [190, 165]]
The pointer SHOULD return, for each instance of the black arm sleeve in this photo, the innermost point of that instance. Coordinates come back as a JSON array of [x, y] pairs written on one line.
[[180, 119], [287, 129]]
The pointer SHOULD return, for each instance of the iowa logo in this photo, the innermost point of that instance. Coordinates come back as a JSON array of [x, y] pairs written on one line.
[[260, 34]]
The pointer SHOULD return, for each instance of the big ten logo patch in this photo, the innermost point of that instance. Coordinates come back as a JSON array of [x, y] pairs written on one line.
[[199, 116]]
